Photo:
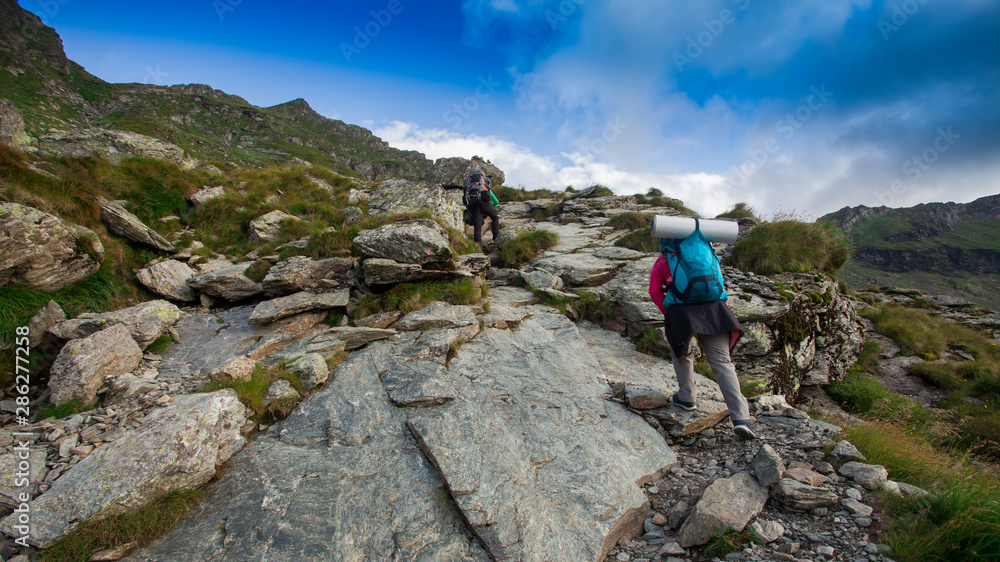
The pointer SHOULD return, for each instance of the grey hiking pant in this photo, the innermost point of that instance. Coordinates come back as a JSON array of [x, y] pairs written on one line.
[[716, 350]]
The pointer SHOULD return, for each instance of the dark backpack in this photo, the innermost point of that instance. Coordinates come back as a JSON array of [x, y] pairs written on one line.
[[696, 270], [476, 189]]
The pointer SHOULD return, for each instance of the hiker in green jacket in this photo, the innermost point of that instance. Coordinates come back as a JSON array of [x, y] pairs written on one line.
[[480, 200]]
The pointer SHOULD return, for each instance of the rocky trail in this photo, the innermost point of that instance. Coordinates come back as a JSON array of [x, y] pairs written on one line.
[[503, 430]]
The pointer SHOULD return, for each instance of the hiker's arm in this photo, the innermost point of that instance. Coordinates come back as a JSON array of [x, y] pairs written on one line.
[[659, 280]]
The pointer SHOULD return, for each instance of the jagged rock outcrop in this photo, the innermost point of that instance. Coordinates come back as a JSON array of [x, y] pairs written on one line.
[[410, 242], [83, 364], [124, 223], [145, 322], [179, 447], [111, 144], [228, 283], [402, 196], [12, 126], [42, 252], [283, 307], [454, 171], [299, 273], [46, 317]]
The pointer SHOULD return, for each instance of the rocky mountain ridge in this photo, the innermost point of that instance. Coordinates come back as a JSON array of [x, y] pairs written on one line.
[[58, 108], [938, 237]]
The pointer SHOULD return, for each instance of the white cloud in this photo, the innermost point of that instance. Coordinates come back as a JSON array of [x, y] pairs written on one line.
[[707, 193]]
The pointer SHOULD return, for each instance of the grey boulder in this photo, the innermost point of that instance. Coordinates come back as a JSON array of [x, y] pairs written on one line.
[[179, 447], [728, 504], [46, 317], [267, 228], [169, 279], [403, 196], [300, 273], [81, 367], [125, 224], [42, 252], [145, 322], [229, 283], [283, 307], [844, 452], [414, 242], [797, 495], [871, 476]]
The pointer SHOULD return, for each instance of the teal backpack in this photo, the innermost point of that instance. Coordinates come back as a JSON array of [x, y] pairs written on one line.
[[696, 270]]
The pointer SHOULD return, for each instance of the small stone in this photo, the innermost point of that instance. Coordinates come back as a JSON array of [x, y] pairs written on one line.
[[871, 476], [863, 522], [165, 399], [825, 550], [767, 531], [767, 465], [672, 549], [82, 450], [856, 508], [844, 452], [660, 519], [653, 490], [853, 493]]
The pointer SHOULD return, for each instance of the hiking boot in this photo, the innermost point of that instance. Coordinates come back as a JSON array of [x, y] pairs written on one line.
[[682, 404], [743, 430]]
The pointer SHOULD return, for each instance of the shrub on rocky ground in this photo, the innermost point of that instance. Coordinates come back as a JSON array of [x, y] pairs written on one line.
[[251, 392], [407, 297], [791, 245], [526, 247], [138, 528], [505, 193], [640, 241], [738, 211], [631, 221]]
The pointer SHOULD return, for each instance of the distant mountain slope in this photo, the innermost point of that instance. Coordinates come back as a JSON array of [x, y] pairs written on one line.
[[944, 247], [56, 96]]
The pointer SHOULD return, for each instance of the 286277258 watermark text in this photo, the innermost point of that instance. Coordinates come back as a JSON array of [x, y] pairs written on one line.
[[21, 481]]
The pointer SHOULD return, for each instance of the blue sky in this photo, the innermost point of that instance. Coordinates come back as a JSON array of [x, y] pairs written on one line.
[[797, 107]]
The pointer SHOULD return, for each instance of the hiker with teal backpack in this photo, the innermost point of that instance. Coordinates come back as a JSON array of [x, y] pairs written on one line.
[[687, 286], [478, 198]]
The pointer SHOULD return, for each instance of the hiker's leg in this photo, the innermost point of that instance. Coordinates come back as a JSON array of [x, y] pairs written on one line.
[[491, 212], [684, 369], [717, 352], [477, 222]]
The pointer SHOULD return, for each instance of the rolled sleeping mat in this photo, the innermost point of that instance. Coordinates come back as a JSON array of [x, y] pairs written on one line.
[[722, 232]]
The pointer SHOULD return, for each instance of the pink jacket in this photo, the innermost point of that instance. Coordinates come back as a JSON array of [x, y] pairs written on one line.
[[659, 280]]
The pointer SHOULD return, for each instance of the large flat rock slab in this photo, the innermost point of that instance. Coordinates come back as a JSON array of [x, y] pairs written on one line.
[[339, 479], [179, 447], [542, 467]]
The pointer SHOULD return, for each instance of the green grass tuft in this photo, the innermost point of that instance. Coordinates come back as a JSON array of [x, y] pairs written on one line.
[[723, 544], [407, 297], [160, 344], [141, 527], [526, 247], [791, 245], [631, 221], [640, 241], [739, 211]]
